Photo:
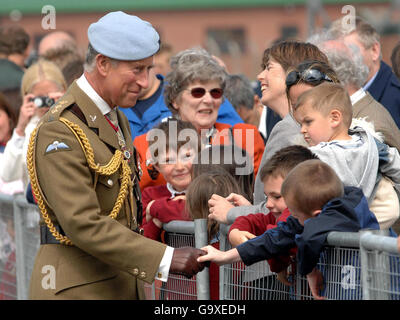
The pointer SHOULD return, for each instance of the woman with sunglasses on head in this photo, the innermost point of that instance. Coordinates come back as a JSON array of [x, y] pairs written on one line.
[[276, 62], [194, 93], [305, 76]]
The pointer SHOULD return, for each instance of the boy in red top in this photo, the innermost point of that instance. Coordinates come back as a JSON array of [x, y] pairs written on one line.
[[173, 152]]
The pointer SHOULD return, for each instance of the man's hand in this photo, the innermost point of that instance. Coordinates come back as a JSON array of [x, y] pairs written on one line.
[[184, 261]]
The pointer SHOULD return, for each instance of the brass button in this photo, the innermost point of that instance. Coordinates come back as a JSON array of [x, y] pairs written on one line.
[[136, 271], [142, 275], [110, 182]]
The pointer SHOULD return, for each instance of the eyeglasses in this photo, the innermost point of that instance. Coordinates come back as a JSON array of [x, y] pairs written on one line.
[[310, 76], [199, 92]]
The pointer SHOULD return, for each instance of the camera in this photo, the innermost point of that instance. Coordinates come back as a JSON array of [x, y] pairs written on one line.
[[41, 102]]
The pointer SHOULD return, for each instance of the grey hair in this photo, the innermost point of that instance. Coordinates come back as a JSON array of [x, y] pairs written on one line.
[[346, 59], [90, 59], [239, 91], [366, 32], [189, 66], [348, 65]]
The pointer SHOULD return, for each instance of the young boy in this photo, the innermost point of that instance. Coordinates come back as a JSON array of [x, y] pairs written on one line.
[[272, 175], [319, 204], [173, 159], [325, 115]]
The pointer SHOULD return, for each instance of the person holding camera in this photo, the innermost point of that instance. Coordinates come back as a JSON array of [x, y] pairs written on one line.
[[42, 85]]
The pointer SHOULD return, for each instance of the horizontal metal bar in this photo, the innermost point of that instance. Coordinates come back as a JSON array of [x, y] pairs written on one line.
[[344, 239], [179, 226], [377, 242]]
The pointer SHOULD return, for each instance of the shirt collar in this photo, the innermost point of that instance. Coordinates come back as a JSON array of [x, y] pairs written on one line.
[[174, 192], [368, 84], [357, 96], [93, 95]]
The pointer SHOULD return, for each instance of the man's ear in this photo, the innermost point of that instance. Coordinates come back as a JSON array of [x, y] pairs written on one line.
[[376, 51], [336, 117], [103, 64]]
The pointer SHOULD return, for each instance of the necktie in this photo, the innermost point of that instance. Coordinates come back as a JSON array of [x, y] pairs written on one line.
[[112, 116]]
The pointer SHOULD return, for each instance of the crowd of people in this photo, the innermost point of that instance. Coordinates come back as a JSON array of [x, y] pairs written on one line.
[[114, 144]]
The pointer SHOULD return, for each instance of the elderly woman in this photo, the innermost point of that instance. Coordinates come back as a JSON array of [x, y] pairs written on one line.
[[42, 85], [194, 93]]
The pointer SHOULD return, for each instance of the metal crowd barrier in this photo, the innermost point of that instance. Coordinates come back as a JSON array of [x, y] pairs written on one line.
[[19, 242], [180, 234], [355, 266]]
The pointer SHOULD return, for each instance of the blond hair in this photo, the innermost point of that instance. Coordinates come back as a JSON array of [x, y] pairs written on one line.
[[327, 97], [40, 71]]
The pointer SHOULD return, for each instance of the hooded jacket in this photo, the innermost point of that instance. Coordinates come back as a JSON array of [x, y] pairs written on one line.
[[358, 162]]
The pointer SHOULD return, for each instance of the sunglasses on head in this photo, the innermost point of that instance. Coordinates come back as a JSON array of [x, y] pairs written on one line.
[[309, 76], [199, 92]]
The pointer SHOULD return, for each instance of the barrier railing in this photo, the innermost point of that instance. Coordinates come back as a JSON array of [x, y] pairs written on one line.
[[19, 234], [355, 266], [179, 234]]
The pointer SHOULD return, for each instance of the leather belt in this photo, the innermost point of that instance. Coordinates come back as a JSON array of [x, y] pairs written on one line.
[[46, 236]]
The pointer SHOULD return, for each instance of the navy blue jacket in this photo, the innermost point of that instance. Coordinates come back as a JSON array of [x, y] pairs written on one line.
[[386, 89], [349, 213]]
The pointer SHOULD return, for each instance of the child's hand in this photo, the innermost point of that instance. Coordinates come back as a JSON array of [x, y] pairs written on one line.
[[283, 277], [219, 208], [213, 255], [315, 282], [180, 197], [148, 215], [219, 257], [237, 237], [238, 200], [157, 222]]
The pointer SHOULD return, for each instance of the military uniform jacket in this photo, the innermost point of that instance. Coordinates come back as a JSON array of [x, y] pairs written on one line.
[[107, 260]]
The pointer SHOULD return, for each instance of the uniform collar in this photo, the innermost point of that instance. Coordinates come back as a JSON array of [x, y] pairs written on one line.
[[93, 95]]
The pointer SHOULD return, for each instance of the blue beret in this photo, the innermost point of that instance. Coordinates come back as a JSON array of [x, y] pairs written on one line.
[[123, 37]]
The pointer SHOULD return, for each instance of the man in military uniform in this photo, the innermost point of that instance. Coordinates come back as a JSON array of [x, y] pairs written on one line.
[[84, 177]]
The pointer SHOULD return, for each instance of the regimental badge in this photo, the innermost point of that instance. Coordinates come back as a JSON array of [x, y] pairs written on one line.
[[93, 118], [57, 146], [127, 154]]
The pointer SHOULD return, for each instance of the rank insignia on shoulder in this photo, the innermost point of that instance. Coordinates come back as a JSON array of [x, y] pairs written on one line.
[[57, 146]]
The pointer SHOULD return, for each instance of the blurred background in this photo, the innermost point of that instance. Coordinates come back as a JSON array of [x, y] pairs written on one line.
[[237, 31]]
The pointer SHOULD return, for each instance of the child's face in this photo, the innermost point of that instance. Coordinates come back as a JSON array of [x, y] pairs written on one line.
[[177, 169], [301, 216], [315, 126], [272, 189]]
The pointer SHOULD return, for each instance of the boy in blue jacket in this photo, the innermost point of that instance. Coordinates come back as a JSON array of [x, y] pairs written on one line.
[[319, 204]]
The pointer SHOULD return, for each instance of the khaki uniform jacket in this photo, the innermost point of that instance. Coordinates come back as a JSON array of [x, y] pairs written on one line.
[[367, 107], [108, 260]]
